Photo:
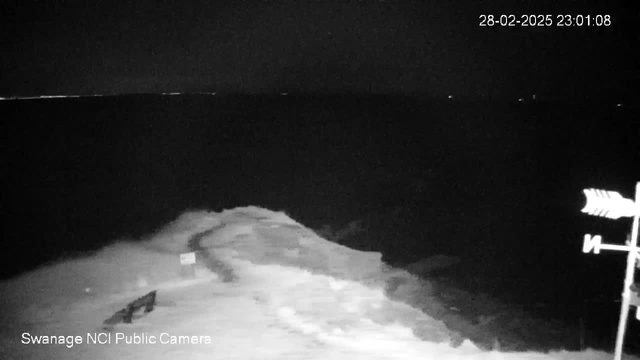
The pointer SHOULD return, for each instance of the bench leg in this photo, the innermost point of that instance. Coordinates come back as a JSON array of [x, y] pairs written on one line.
[[127, 316]]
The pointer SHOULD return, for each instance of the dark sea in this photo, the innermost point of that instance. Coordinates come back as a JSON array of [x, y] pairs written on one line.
[[497, 184]]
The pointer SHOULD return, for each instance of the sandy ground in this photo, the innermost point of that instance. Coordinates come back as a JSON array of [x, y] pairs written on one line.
[[296, 296]]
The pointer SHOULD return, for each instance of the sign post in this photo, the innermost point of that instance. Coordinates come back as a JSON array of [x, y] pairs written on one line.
[[612, 205], [187, 263]]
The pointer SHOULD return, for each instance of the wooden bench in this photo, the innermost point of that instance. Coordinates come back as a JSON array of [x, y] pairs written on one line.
[[125, 315]]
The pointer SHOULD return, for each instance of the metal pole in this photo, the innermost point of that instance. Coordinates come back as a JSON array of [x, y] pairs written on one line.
[[582, 332], [628, 280]]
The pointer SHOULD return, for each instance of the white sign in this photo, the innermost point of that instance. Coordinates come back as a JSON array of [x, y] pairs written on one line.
[[188, 258]]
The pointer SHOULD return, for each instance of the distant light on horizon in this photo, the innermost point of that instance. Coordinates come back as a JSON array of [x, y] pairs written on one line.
[[37, 97], [534, 98]]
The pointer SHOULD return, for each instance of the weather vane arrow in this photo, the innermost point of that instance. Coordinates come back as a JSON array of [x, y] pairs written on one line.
[[609, 204]]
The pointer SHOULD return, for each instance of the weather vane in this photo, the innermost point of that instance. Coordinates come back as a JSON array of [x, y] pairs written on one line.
[[612, 205]]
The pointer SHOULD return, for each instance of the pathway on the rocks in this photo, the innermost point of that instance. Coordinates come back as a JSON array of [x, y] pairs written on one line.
[[208, 258]]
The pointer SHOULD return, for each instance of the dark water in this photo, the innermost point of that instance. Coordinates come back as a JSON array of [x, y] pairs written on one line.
[[497, 184]]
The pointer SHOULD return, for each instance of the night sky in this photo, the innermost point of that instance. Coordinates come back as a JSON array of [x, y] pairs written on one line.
[[389, 46]]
